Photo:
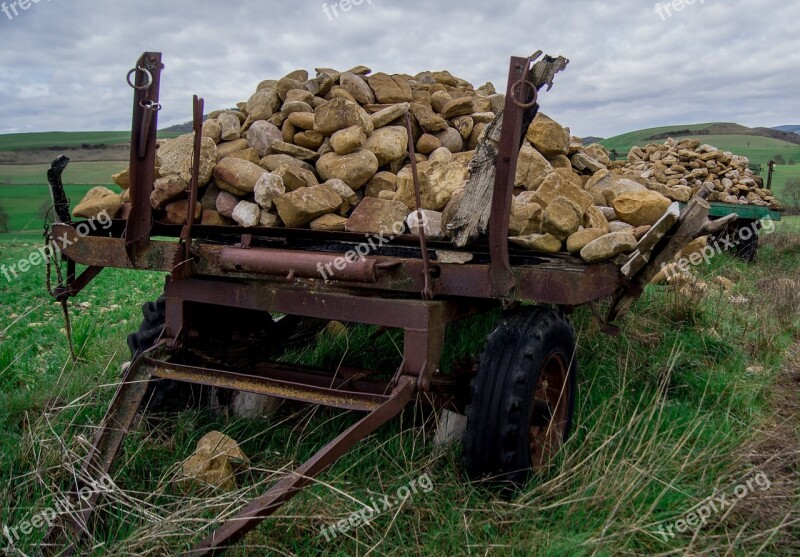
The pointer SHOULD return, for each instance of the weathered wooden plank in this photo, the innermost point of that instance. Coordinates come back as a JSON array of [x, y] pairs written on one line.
[[472, 216]]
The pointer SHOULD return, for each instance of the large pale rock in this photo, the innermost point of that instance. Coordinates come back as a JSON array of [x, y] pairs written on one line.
[[390, 89], [240, 174], [226, 203], [328, 223], [300, 207], [389, 114], [166, 190], [263, 104], [464, 125], [562, 218], [427, 118], [215, 462], [122, 179], [348, 140], [283, 148], [430, 224], [173, 153], [272, 162], [545, 243], [378, 216], [532, 168], [427, 144], [246, 214], [349, 197], [354, 169], [451, 140], [357, 87], [547, 136], [227, 148], [178, 210], [261, 135], [388, 144], [339, 114], [595, 218], [459, 106], [268, 187], [580, 239], [208, 160], [96, 201], [382, 181], [617, 187], [639, 208], [212, 129], [525, 219], [296, 177], [231, 126], [437, 181], [609, 246]]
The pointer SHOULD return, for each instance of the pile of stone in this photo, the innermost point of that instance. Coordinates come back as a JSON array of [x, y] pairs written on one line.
[[331, 153], [679, 168]]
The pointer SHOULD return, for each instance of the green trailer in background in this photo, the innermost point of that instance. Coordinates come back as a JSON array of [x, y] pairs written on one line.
[[741, 235]]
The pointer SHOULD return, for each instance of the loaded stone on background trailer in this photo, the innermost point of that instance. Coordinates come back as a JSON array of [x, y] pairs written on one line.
[[330, 153]]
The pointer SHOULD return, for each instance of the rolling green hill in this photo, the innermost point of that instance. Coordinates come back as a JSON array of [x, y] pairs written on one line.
[[48, 140]]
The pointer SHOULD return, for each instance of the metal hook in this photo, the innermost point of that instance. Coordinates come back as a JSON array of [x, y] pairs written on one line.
[[146, 73], [150, 105]]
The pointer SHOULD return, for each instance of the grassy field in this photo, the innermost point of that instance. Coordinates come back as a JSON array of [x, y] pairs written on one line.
[[23, 204], [76, 173], [43, 140], [671, 413]]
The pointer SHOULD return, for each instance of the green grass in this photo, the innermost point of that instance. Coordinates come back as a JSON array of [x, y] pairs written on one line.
[[43, 140], [667, 416], [23, 205], [76, 173]]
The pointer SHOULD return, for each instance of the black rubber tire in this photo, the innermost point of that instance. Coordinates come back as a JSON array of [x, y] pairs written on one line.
[[500, 417], [747, 249], [163, 395]]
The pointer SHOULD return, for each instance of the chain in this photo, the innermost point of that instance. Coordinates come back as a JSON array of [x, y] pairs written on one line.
[[49, 242]]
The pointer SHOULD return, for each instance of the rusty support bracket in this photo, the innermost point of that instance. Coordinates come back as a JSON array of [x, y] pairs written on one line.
[[107, 443], [74, 286], [254, 513]]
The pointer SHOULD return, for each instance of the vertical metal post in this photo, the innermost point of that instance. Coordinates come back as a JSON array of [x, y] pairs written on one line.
[[143, 150], [510, 141]]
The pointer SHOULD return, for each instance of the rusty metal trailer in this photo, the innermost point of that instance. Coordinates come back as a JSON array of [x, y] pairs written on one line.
[[406, 285]]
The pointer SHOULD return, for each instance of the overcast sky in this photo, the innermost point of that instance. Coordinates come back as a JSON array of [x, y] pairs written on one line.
[[631, 65]]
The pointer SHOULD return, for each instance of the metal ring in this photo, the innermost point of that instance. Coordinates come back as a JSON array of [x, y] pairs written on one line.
[[150, 105], [518, 85], [146, 72]]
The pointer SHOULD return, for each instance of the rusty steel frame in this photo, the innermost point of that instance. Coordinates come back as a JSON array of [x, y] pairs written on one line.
[[377, 289]]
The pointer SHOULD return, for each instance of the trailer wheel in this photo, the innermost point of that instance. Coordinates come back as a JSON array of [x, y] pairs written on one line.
[[163, 395], [747, 248], [523, 397]]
